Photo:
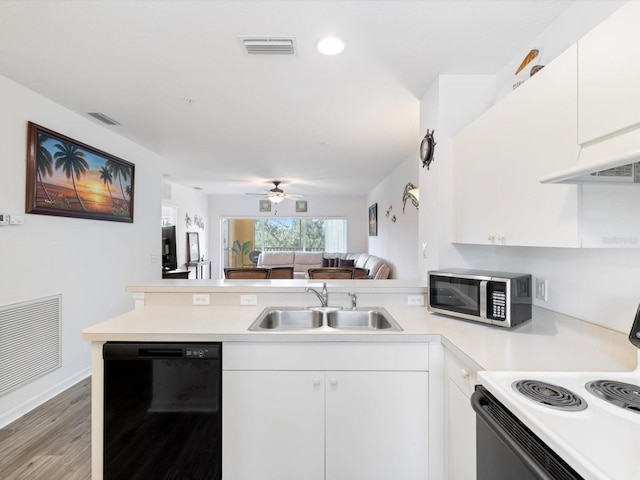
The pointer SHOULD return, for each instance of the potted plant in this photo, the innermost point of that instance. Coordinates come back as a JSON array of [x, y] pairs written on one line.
[[241, 249]]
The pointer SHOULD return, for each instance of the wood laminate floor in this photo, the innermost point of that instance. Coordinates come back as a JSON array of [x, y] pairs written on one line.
[[52, 442]]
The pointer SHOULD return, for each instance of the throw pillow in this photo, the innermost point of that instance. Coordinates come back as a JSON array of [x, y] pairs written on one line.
[[345, 263]]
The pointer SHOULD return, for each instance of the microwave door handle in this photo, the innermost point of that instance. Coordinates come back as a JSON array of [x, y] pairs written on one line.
[[483, 298]]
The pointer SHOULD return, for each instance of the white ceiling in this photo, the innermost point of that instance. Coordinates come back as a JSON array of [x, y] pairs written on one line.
[[323, 125]]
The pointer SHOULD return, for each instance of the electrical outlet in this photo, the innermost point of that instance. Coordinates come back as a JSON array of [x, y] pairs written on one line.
[[16, 219], [201, 299], [415, 300], [248, 300], [155, 258], [541, 289], [4, 219]]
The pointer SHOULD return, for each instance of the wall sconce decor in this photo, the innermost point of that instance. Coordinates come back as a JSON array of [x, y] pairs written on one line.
[[199, 221], [411, 192], [427, 146]]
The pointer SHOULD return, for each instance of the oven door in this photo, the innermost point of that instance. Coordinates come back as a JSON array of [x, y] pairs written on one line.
[[506, 449]]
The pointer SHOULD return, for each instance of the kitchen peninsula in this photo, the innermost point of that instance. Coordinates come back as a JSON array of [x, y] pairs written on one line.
[[369, 368]]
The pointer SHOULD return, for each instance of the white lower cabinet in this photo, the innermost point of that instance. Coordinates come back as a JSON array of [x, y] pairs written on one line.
[[460, 419], [336, 424]]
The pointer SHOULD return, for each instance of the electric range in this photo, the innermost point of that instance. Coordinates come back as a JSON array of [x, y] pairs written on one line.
[[598, 439], [588, 420]]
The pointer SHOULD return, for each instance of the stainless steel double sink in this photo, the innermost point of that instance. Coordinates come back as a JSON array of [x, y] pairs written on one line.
[[325, 318]]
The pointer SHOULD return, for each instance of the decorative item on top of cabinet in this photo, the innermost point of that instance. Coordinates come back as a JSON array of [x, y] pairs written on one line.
[[521, 74], [427, 146]]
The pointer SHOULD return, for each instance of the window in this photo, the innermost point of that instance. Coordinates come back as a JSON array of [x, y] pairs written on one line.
[[274, 234], [303, 234]]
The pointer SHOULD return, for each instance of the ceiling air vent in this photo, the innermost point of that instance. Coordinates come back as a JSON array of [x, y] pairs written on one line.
[[268, 46], [103, 118]]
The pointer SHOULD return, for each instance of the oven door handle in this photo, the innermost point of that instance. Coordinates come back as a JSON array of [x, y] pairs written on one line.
[[479, 402]]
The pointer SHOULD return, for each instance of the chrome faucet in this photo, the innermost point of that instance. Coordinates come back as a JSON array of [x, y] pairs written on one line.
[[354, 300], [323, 297]]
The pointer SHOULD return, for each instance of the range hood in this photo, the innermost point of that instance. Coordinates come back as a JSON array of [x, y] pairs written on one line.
[[614, 160]]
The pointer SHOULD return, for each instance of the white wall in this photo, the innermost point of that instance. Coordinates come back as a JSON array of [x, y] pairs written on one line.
[[191, 202], [451, 102], [397, 241], [354, 209], [87, 261]]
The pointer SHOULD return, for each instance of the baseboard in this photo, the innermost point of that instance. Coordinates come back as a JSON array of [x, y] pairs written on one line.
[[25, 407]]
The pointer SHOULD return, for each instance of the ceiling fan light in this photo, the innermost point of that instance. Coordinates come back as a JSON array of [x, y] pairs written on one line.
[[276, 199], [415, 193]]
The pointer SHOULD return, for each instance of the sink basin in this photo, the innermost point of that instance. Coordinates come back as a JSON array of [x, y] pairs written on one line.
[[362, 319], [295, 318], [283, 318]]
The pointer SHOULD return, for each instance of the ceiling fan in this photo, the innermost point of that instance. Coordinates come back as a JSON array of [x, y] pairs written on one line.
[[276, 194]]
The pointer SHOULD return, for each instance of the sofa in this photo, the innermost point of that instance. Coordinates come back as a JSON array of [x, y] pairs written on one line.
[[302, 261]]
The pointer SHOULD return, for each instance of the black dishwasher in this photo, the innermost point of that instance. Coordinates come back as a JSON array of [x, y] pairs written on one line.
[[162, 411]]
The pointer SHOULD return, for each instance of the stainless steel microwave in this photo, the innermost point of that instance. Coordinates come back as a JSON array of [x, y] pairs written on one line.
[[497, 298]]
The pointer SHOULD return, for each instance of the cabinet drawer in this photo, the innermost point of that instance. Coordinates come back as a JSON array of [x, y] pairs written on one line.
[[326, 356], [463, 373]]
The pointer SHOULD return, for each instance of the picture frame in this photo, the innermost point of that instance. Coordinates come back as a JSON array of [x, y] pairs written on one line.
[[68, 178], [373, 220], [193, 246], [265, 205], [301, 206]]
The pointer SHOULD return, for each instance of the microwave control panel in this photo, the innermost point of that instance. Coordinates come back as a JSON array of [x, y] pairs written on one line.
[[497, 301]]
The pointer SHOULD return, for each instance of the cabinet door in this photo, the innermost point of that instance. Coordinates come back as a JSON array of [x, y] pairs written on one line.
[[537, 130], [475, 169], [460, 427], [609, 75], [377, 425], [499, 158], [273, 425]]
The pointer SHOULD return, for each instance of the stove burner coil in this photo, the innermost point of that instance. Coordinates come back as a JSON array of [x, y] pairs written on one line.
[[624, 395], [550, 395]]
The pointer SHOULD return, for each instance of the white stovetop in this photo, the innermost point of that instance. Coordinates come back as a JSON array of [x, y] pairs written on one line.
[[601, 442]]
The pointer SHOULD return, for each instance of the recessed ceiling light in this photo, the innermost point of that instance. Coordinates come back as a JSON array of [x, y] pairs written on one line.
[[330, 46]]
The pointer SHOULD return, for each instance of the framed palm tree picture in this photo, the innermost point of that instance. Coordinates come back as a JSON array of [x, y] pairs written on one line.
[[70, 179]]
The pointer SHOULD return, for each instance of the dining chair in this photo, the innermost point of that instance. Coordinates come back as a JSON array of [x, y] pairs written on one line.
[[247, 273], [330, 273], [281, 272]]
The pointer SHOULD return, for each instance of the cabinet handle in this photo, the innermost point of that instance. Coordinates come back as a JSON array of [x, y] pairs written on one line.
[[465, 373], [316, 381], [333, 381]]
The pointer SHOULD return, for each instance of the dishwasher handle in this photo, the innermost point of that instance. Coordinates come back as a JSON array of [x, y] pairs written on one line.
[[150, 351]]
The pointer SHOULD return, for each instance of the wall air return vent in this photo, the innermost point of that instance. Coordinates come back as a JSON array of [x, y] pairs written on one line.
[[103, 118], [30, 341], [268, 46]]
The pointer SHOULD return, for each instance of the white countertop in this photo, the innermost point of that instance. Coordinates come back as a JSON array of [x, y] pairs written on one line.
[[549, 341]]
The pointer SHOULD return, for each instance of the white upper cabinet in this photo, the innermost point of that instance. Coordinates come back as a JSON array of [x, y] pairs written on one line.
[[499, 158], [609, 75]]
